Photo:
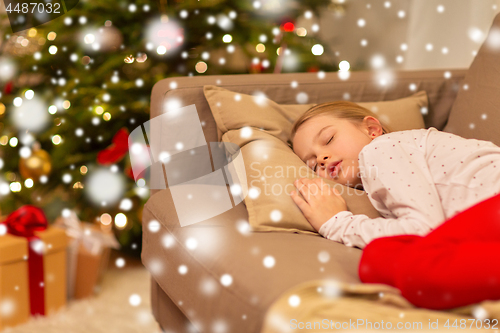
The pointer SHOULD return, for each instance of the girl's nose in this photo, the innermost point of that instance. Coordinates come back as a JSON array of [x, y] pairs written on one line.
[[323, 160]]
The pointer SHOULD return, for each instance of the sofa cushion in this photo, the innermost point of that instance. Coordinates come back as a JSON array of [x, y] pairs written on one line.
[[233, 110], [476, 111], [262, 129]]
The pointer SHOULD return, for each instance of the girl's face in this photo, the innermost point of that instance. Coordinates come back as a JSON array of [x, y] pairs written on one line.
[[330, 146]]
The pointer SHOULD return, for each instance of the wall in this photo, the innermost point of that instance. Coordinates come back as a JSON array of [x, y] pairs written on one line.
[[461, 28]]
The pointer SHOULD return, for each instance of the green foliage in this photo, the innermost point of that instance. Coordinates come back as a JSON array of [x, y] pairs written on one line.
[[128, 106]]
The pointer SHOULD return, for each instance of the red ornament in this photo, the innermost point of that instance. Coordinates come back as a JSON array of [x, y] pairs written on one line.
[[313, 69], [8, 88], [256, 68], [288, 27], [117, 150]]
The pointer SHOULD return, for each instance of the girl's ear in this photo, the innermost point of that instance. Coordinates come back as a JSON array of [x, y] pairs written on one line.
[[373, 126]]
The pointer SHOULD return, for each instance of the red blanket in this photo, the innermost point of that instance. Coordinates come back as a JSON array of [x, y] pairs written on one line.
[[456, 264]]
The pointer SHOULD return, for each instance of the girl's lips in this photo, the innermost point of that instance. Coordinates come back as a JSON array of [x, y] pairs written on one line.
[[335, 170]]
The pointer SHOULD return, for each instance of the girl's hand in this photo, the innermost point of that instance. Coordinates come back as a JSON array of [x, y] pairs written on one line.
[[321, 202]]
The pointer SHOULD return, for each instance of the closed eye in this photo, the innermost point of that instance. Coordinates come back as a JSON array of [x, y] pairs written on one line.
[[314, 168]]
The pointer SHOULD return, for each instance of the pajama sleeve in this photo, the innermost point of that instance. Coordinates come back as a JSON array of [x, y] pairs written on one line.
[[398, 183]]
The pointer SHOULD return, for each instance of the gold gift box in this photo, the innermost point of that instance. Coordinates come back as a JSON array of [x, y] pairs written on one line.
[[89, 271], [14, 283], [54, 267], [14, 287]]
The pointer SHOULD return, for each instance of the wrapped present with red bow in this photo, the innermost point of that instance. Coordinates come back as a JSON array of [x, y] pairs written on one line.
[[38, 254], [14, 289]]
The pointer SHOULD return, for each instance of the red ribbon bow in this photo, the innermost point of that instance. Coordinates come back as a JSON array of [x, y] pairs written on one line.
[[23, 223], [117, 150]]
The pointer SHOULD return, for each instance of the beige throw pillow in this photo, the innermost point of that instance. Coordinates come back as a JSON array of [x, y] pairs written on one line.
[[262, 129]]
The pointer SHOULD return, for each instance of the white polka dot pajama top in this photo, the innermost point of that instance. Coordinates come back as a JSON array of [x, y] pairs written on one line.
[[417, 179]]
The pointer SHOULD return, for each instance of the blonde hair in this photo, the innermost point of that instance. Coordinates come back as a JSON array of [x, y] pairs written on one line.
[[341, 110]]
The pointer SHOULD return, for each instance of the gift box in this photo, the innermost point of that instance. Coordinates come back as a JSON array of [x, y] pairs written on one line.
[[14, 290], [88, 254], [55, 242], [90, 269], [44, 259]]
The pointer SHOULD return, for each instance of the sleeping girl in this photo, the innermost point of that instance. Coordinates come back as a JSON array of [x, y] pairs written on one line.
[[416, 179]]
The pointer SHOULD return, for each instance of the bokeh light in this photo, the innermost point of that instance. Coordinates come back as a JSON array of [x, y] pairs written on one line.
[[30, 114], [104, 185]]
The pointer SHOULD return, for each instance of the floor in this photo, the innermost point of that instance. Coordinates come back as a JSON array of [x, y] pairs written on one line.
[[121, 306]]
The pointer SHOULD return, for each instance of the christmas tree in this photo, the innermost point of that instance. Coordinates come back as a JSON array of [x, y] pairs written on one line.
[[75, 87]]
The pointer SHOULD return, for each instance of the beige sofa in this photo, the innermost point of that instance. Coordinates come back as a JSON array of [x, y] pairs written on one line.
[[197, 300]]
